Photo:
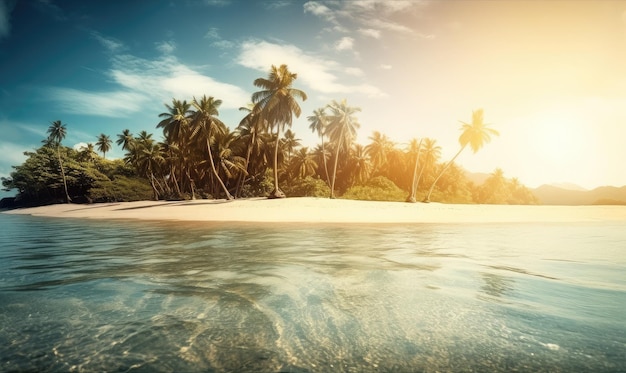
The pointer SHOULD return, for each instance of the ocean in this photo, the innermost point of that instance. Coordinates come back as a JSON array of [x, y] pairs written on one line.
[[130, 296]]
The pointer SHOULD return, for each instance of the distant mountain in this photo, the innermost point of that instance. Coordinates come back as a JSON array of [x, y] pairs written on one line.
[[606, 195], [568, 186]]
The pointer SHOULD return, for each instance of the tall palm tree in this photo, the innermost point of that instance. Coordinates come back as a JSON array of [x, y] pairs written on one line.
[[125, 139], [250, 129], [204, 124], [319, 122], [429, 156], [175, 122], [475, 134], [149, 160], [56, 133], [104, 144], [342, 127], [277, 104], [414, 148], [378, 150]]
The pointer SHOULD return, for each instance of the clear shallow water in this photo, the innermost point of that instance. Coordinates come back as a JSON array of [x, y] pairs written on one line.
[[145, 297]]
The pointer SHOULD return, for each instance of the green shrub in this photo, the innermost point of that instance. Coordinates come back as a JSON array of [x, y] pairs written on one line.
[[121, 189], [307, 187], [377, 189]]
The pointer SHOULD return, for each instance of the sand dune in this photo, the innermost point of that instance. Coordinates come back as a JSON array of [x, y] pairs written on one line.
[[321, 210]]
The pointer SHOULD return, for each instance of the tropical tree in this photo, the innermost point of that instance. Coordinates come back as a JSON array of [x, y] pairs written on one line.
[[318, 124], [277, 104], [303, 163], [203, 125], [250, 130], [104, 144], [429, 154], [378, 150], [88, 153], [290, 142], [149, 160], [475, 134], [414, 149], [56, 133], [125, 139], [342, 127]]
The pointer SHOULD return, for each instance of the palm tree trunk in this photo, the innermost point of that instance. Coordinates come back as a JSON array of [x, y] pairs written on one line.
[[414, 181], [324, 158], [191, 185], [276, 193], [154, 189], [427, 199], [332, 186], [67, 196], [242, 179], [228, 196]]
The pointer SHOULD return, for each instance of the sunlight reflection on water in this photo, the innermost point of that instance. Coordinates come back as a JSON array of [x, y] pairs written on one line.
[[94, 296]]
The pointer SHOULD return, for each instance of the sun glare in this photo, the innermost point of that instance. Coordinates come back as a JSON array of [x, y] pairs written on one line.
[[560, 138]]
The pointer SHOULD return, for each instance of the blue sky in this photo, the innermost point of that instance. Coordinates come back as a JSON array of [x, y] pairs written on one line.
[[551, 76]]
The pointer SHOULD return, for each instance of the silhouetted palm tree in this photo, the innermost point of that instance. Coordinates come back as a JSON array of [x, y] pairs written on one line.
[[277, 104], [319, 122], [342, 126], [104, 144], [125, 139], [56, 133], [203, 125], [474, 134]]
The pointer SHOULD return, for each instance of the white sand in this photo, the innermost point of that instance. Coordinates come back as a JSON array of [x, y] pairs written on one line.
[[322, 210]]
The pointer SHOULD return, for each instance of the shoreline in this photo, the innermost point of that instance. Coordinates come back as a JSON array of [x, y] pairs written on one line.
[[324, 210]]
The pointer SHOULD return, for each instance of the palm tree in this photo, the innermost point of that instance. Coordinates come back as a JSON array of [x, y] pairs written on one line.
[[430, 155], [360, 165], [318, 124], [88, 153], [148, 160], [56, 133], [378, 150], [277, 104], [125, 139], [303, 163], [414, 148], [203, 124], [474, 134], [290, 143], [342, 126], [104, 144], [175, 122], [250, 128]]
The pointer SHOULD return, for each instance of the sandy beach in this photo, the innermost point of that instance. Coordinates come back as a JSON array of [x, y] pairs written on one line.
[[322, 210]]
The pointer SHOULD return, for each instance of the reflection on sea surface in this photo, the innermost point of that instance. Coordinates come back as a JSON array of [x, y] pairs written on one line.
[[96, 296]]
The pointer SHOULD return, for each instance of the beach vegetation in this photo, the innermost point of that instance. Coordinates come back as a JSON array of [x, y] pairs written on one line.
[[201, 157]]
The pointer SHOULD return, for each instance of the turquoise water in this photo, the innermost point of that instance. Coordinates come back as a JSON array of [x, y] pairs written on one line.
[[163, 297]]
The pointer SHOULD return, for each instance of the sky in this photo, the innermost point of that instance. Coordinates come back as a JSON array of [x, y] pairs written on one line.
[[549, 75]]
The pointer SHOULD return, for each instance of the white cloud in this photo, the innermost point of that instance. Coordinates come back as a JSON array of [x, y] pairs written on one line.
[[354, 71], [345, 43], [318, 9], [166, 47], [144, 82], [109, 43], [319, 74], [217, 3], [385, 67], [12, 155], [213, 34], [370, 32], [114, 104]]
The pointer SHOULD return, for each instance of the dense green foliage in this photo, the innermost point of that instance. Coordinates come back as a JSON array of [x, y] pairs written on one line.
[[200, 157]]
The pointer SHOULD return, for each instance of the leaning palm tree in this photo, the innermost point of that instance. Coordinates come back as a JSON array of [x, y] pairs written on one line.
[[104, 144], [318, 124], [249, 130], [277, 104], [149, 160], [56, 133], [203, 125], [474, 134], [342, 126]]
